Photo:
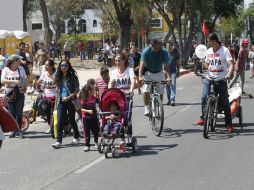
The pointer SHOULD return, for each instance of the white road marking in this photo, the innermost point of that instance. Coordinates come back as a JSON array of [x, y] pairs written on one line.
[[187, 107], [83, 169], [179, 88]]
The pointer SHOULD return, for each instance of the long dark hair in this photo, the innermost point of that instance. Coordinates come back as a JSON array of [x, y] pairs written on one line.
[[52, 64], [213, 36], [85, 91], [9, 63], [59, 74]]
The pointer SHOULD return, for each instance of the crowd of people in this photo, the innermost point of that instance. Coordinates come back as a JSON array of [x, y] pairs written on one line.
[[61, 85]]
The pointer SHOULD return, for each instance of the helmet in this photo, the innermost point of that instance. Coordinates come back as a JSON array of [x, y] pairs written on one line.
[[245, 41]]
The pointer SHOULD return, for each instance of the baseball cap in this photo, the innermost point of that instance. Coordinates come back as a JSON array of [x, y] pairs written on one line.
[[14, 57], [103, 70]]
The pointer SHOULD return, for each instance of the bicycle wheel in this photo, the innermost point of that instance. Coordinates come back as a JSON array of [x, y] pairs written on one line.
[[208, 117], [25, 122], [157, 116]]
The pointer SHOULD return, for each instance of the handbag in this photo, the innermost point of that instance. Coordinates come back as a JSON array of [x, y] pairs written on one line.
[[14, 94]]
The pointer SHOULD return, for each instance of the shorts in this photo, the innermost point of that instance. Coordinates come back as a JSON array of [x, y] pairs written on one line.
[[1, 134], [156, 77]]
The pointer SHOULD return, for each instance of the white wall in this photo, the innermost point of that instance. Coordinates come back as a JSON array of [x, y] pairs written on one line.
[[11, 15], [89, 16]]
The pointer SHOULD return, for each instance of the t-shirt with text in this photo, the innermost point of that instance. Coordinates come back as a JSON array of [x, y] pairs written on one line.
[[47, 83], [218, 62]]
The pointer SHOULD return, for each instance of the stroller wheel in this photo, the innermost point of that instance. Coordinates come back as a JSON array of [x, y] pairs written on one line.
[[67, 128], [107, 152], [134, 144], [240, 115], [101, 145]]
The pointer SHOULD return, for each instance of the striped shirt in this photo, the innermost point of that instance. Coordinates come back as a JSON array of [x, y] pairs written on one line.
[[102, 85]]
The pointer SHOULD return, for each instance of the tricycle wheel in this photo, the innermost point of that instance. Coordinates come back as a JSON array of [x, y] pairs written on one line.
[[101, 145], [240, 111], [25, 122], [134, 144], [107, 151]]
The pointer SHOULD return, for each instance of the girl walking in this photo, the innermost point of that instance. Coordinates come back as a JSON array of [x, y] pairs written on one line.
[[89, 114]]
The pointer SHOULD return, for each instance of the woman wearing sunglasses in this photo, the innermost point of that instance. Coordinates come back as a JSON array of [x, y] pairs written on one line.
[[67, 88]]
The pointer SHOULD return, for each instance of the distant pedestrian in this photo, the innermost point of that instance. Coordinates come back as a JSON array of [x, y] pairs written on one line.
[[81, 50], [240, 65], [41, 57], [251, 58], [3, 61], [174, 62], [67, 51]]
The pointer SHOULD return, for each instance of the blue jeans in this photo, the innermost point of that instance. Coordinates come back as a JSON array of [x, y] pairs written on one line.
[[115, 125], [62, 115], [16, 109], [222, 90], [171, 89], [82, 55]]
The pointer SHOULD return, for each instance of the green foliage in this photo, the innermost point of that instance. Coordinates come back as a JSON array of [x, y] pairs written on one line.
[[231, 25]]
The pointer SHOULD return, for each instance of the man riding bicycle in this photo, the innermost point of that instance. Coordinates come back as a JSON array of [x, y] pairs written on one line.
[[151, 69], [220, 67]]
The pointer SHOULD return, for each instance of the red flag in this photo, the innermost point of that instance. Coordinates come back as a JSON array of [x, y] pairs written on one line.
[[204, 29], [142, 32]]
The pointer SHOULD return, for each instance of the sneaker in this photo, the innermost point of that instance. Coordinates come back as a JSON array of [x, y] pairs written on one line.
[[48, 131], [19, 135], [86, 149], [200, 122], [169, 103], [230, 128], [96, 146], [57, 145], [147, 111], [12, 135], [173, 103], [75, 141]]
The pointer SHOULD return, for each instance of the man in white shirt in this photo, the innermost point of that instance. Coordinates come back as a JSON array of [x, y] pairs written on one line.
[[220, 66]]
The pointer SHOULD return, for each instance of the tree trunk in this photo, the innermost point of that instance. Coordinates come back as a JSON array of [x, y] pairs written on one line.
[[125, 30], [25, 2], [44, 11], [167, 37]]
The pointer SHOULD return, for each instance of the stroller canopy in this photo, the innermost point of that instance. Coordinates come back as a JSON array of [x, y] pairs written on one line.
[[111, 95]]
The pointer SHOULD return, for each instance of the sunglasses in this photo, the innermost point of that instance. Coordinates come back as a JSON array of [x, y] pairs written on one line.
[[64, 66]]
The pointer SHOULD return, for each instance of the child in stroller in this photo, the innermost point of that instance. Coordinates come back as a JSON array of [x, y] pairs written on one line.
[[114, 120]]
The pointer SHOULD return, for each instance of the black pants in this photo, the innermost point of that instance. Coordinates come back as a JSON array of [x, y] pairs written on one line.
[[62, 115], [91, 124]]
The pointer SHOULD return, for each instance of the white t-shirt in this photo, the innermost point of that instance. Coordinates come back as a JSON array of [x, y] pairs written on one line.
[[8, 74], [47, 83], [218, 62], [251, 56], [122, 80]]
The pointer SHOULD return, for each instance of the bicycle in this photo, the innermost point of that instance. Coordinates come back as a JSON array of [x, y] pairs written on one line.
[[156, 115], [211, 107]]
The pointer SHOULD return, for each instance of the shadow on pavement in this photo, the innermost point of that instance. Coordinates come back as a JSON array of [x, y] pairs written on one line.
[[175, 133], [147, 150]]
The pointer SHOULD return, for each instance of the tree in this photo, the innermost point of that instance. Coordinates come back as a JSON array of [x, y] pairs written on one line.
[[213, 9], [124, 12], [44, 11], [27, 10], [231, 25]]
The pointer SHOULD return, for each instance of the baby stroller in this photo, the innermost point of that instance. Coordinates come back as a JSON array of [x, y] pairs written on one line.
[[235, 105], [107, 143]]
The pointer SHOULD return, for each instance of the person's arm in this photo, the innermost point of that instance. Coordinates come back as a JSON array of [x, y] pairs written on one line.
[[111, 81], [87, 111], [132, 78], [167, 67]]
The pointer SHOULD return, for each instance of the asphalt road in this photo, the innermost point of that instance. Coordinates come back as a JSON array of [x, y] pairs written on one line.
[[181, 159]]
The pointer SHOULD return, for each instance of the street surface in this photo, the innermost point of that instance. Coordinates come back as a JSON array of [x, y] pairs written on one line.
[[181, 159]]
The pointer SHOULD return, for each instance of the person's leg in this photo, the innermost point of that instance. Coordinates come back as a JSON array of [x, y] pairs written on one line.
[[87, 125], [168, 90], [65, 55], [251, 68], [173, 88], [61, 114], [233, 81], [12, 110], [71, 114], [95, 130], [146, 90], [205, 93], [106, 128], [242, 79], [225, 102], [19, 109]]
